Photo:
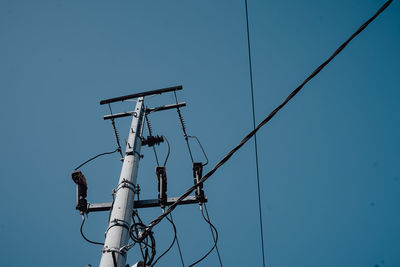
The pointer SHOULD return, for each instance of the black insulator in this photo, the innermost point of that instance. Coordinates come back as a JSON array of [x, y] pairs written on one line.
[[162, 185], [81, 187], [152, 140], [197, 174]]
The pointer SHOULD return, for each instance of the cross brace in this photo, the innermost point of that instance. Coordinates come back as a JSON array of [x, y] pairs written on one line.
[[149, 203]]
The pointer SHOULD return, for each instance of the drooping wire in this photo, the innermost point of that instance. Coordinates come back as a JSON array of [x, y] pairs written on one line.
[[83, 235], [212, 233], [215, 241], [265, 120], [169, 150], [178, 244], [98, 155], [201, 147], [170, 246], [115, 131], [255, 136]]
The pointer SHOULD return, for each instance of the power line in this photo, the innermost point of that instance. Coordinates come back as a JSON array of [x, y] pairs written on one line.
[[212, 233], [255, 136], [266, 119], [177, 243]]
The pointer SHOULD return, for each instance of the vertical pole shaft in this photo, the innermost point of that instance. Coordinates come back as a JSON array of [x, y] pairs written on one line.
[[117, 235]]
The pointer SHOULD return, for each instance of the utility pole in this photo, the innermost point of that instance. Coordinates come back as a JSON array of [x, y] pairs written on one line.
[[116, 245], [117, 234]]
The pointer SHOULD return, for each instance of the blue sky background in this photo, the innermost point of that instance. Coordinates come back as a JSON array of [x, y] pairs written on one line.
[[329, 162]]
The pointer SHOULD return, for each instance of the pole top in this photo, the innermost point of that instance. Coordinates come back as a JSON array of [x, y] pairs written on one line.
[[146, 93]]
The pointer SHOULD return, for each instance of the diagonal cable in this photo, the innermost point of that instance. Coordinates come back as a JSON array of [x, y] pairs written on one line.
[[266, 119]]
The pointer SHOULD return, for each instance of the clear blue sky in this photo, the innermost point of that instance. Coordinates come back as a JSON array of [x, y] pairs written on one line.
[[329, 162]]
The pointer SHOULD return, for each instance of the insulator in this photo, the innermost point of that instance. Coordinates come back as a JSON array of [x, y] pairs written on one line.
[[182, 121], [152, 140], [149, 127], [81, 187], [162, 185], [197, 174]]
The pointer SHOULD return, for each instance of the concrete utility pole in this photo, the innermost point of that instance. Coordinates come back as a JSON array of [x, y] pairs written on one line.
[[116, 245], [117, 235]]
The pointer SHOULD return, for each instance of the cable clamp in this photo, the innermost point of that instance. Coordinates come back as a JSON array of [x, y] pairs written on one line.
[[118, 222], [127, 247], [116, 250], [125, 184], [131, 153]]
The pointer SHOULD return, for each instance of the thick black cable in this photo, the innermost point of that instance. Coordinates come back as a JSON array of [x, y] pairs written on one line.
[[266, 119], [153, 250], [101, 154], [170, 246], [255, 136], [215, 241], [178, 244], [114, 259], [212, 233], [83, 235]]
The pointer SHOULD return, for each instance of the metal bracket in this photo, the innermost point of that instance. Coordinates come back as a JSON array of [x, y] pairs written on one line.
[[152, 92], [148, 110], [149, 203]]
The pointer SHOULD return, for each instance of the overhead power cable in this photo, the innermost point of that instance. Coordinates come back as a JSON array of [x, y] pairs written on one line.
[[255, 136], [266, 119]]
